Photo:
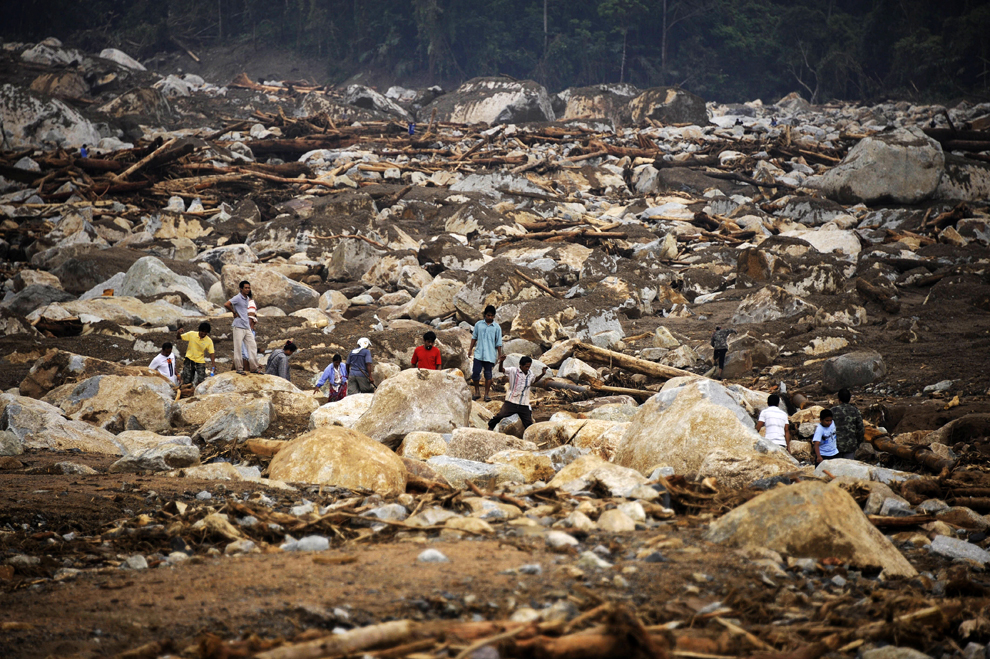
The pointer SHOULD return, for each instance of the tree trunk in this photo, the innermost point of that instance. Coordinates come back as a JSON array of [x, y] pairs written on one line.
[[546, 34], [622, 65], [220, 19], [663, 46]]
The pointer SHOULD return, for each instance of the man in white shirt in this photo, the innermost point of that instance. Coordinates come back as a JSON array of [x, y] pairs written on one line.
[[777, 423], [517, 394], [164, 363]]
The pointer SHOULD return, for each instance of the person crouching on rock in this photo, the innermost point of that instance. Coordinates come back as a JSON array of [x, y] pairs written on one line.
[[517, 394], [487, 336], [200, 345], [359, 379], [335, 377], [278, 362], [427, 355]]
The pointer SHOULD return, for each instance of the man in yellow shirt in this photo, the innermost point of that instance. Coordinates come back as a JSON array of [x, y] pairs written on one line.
[[200, 345]]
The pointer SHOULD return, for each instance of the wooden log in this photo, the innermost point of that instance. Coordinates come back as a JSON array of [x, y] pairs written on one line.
[[921, 455], [540, 286], [590, 352], [570, 236], [351, 642], [899, 522], [144, 161], [299, 145], [878, 295], [98, 165]]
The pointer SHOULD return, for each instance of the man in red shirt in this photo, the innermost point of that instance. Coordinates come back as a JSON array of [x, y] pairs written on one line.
[[427, 355]]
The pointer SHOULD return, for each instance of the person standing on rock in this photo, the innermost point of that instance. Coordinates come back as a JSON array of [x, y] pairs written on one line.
[[359, 380], [824, 439], [849, 429], [164, 363], [776, 422], [720, 341], [242, 328], [427, 356], [335, 377], [517, 395], [200, 345], [278, 361], [486, 346]]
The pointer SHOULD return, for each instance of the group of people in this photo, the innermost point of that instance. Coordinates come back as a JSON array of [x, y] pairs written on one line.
[[839, 432]]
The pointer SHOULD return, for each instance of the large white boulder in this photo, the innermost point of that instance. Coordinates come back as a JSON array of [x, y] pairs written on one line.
[[340, 457], [811, 520], [271, 288], [30, 121], [687, 421], [345, 412], [116, 403], [40, 425], [432, 401], [121, 58], [149, 277], [903, 166], [493, 101]]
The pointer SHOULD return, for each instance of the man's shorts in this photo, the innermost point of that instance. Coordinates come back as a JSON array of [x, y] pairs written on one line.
[[193, 373], [479, 366]]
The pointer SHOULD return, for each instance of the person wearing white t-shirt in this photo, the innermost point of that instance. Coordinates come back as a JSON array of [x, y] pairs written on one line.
[[164, 363], [776, 422]]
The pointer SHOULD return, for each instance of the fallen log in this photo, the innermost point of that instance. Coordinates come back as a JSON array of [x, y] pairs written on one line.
[[351, 642], [98, 165], [593, 390], [590, 352], [540, 286], [570, 236], [300, 145], [921, 455], [882, 522], [144, 161]]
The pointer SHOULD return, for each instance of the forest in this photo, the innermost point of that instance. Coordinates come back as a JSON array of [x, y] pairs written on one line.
[[724, 50]]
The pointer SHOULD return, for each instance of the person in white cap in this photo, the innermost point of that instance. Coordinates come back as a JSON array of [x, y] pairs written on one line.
[[359, 379]]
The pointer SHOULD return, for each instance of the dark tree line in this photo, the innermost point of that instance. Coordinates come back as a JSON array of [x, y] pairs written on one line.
[[727, 50]]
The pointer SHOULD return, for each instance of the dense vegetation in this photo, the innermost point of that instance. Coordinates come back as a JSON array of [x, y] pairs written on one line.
[[726, 50]]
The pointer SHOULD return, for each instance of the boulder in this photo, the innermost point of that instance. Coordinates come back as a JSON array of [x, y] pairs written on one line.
[[35, 297], [58, 367], [479, 445], [140, 102], [162, 458], [596, 102], [811, 520], [121, 58], [497, 283], [852, 369], [117, 403], [770, 303], [422, 445], [67, 84], [198, 410], [493, 101], [735, 470], [688, 420], [233, 383], [903, 166], [575, 370], [10, 444], [590, 471], [149, 277], [345, 412], [235, 424], [368, 99], [430, 401], [218, 257], [458, 471], [340, 457], [30, 119], [41, 426], [117, 309], [533, 467], [668, 105], [270, 287], [964, 179], [585, 434], [351, 259]]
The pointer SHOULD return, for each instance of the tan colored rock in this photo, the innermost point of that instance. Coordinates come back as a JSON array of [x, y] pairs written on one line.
[[435, 299], [233, 383], [119, 310], [198, 410], [292, 403], [662, 338], [271, 287], [734, 470], [802, 450], [479, 445], [589, 470], [616, 521], [345, 412], [432, 401], [26, 278], [137, 441], [58, 367], [340, 457], [266, 448], [422, 445], [216, 471], [532, 467], [810, 520], [471, 525], [116, 403]]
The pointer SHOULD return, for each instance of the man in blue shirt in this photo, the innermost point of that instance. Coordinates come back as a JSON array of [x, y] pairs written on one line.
[[486, 346], [242, 328], [824, 439]]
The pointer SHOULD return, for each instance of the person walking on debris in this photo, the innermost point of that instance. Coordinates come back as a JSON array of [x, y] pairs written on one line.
[[427, 355], [164, 363], [335, 377], [776, 422], [486, 346], [849, 429], [517, 395], [720, 341], [278, 361], [359, 380], [824, 439], [242, 328], [200, 345]]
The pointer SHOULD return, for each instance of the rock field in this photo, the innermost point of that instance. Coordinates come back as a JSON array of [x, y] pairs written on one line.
[[614, 229]]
